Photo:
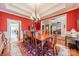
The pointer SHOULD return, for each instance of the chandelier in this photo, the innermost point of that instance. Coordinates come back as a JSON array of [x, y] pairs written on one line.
[[35, 16]]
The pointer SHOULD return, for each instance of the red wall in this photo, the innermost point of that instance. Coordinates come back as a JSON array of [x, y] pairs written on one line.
[[78, 18], [38, 26], [0, 20], [72, 17], [3, 21], [71, 20]]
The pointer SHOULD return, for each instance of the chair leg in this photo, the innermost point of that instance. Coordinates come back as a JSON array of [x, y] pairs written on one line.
[[56, 51], [53, 51]]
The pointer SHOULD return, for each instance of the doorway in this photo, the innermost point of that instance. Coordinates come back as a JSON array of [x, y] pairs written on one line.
[[14, 28], [14, 32]]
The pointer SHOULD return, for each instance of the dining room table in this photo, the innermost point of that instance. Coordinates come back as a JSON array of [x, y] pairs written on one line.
[[43, 38]]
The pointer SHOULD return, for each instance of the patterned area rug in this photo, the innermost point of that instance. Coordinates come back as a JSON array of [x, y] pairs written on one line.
[[23, 49], [62, 50]]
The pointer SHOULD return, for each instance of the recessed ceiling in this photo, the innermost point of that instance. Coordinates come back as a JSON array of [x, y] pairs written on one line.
[[44, 10]]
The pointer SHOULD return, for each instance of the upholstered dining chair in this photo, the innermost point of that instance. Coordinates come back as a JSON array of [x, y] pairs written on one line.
[[66, 41], [25, 39], [39, 48], [46, 48], [3, 44], [54, 42]]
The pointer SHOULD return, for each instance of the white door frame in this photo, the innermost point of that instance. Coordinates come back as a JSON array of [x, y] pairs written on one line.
[[9, 21]]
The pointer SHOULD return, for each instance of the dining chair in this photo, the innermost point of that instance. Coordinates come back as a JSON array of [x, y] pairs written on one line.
[[66, 41], [3, 41], [54, 42], [1, 46], [39, 48], [47, 50], [25, 39], [32, 43]]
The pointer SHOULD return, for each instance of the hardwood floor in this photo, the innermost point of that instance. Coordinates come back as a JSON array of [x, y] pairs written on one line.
[[73, 52], [6, 52]]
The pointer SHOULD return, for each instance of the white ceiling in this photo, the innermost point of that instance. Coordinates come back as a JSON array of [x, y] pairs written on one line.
[[43, 10]]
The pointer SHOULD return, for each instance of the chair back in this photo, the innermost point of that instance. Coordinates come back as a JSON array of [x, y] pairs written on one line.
[[66, 41], [54, 39], [3, 42]]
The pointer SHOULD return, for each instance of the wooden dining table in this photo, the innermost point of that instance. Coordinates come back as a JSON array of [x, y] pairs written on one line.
[[43, 37]]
